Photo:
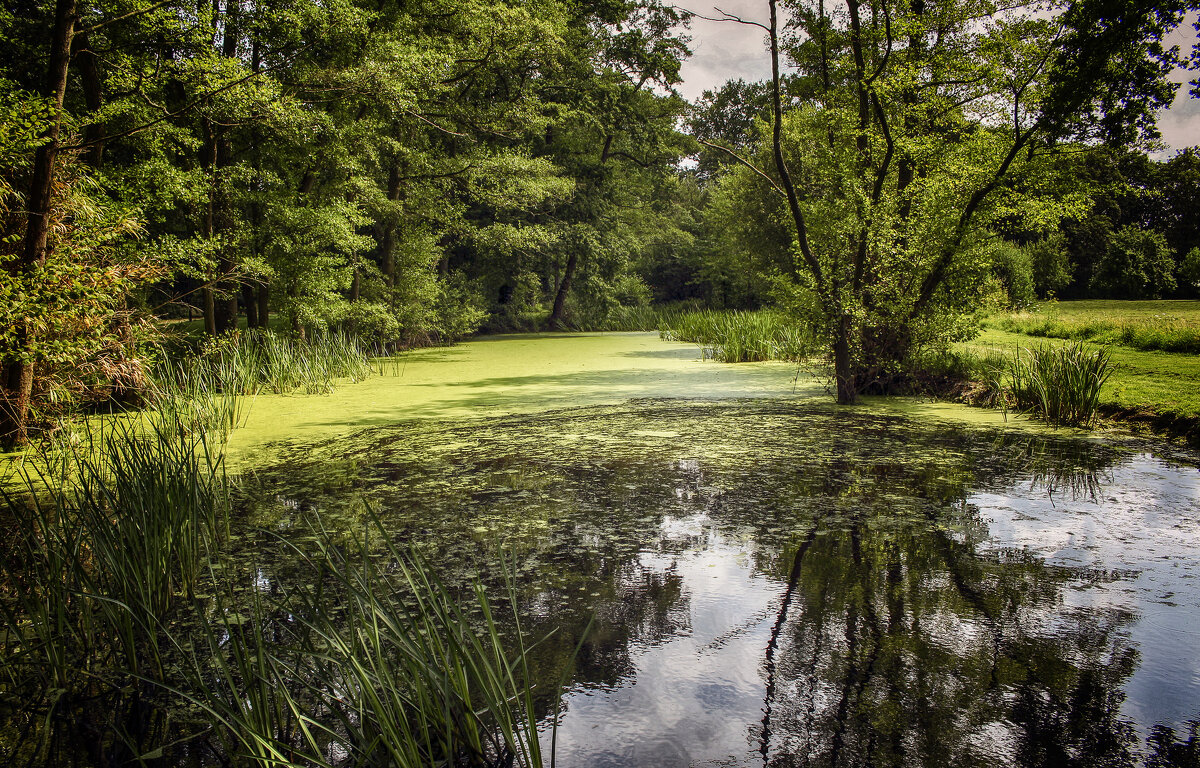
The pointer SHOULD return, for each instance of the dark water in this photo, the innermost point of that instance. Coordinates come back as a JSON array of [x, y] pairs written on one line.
[[772, 584]]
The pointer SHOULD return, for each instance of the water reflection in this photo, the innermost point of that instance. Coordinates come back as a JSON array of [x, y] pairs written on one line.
[[785, 587]]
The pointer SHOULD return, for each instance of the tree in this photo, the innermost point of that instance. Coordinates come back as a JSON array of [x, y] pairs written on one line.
[[916, 126]]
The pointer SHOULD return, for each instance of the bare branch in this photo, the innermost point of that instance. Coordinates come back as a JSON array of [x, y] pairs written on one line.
[[744, 162], [725, 16]]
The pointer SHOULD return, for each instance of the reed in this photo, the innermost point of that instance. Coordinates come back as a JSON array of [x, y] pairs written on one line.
[[102, 555], [1060, 384], [739, 336], [369, 660]]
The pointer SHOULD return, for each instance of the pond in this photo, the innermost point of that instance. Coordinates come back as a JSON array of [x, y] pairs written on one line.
[[752, 576]]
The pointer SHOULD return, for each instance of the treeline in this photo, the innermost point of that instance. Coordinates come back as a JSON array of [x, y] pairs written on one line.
[[400, 170]]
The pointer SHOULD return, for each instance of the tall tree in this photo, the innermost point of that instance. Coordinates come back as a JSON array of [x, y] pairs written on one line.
[[914, 121]]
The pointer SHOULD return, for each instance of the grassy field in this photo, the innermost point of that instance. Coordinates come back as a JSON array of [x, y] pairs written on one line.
[[1167, 326], [1148, 381]]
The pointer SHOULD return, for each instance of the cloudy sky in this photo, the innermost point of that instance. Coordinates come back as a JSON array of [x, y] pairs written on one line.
[[724, 51]]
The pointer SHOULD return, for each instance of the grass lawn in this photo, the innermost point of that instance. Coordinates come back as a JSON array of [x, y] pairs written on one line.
[[1148, 381], [1168, 326]]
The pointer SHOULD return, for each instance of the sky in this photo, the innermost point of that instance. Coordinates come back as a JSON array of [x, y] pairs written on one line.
[[725, 50]]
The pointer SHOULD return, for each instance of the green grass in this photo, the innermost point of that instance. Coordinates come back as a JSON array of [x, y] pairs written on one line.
[[1167, 326], [1141, 382], [739, 337]]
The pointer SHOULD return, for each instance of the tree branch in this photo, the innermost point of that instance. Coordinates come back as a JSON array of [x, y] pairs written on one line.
[[744, 162], [122, 17]]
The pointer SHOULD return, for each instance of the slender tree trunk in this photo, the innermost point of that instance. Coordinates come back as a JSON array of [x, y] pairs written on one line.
[[19, 373], [227, 305], [93, 94], [564, 287], [251, 305], [264, 305], [847, 390], [387, 231]]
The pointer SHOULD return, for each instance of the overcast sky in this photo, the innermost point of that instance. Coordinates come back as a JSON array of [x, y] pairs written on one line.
[[724, 51]]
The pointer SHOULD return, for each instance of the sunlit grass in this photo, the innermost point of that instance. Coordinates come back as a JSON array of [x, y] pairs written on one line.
[[1168, 326]]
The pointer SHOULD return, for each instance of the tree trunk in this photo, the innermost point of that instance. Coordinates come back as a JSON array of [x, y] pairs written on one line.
[[847, 389], [93, 94], [210, 311], [264, 305], [18, 379], [227, 306], [560, 299], [251, 305]]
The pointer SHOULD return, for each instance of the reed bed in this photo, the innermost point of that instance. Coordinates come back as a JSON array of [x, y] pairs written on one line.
[[131, 635], [101, 555], [205, 392], [739, 336], [1060, 384], [377, 663]]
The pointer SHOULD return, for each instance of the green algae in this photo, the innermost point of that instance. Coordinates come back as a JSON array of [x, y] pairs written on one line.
[[532, 373]]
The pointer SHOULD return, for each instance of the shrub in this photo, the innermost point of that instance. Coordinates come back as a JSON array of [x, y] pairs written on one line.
[[1136, 265], [1051, 265]]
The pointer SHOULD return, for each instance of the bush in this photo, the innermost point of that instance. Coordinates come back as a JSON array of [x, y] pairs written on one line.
[[1051, 265], [1012, 269], [1136, 265]]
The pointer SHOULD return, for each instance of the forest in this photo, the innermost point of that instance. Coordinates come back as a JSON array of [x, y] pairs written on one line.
[[412, 173]]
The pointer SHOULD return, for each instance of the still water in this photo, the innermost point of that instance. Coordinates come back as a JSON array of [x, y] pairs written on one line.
[[756, 578]]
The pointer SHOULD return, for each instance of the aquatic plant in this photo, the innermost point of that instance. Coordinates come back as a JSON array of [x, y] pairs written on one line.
[[103, 551], [1060, 384], [739, 336], [125, 633]]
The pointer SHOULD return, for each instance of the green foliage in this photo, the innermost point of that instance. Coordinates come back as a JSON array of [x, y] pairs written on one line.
[[1189, 269], [1012, 268], [1051, 265], [1136, 265]]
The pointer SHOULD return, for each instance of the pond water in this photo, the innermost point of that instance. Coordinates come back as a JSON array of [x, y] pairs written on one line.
[[755, 577]]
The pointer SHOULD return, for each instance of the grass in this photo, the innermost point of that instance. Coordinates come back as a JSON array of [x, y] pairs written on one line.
[[739, 336], [1148, 381], [1166, 326], [127, 635]]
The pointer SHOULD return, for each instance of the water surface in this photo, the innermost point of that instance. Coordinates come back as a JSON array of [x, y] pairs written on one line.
[[772, 580]]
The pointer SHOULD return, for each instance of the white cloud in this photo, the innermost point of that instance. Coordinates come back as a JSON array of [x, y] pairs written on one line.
[[724, 51]]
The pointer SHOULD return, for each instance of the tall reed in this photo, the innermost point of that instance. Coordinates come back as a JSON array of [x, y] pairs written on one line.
[[368, 660], [101, 556], [1060, 384], [739, 336]]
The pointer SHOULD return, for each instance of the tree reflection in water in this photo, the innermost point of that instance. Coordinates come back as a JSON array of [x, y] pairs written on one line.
[[894, 629]]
